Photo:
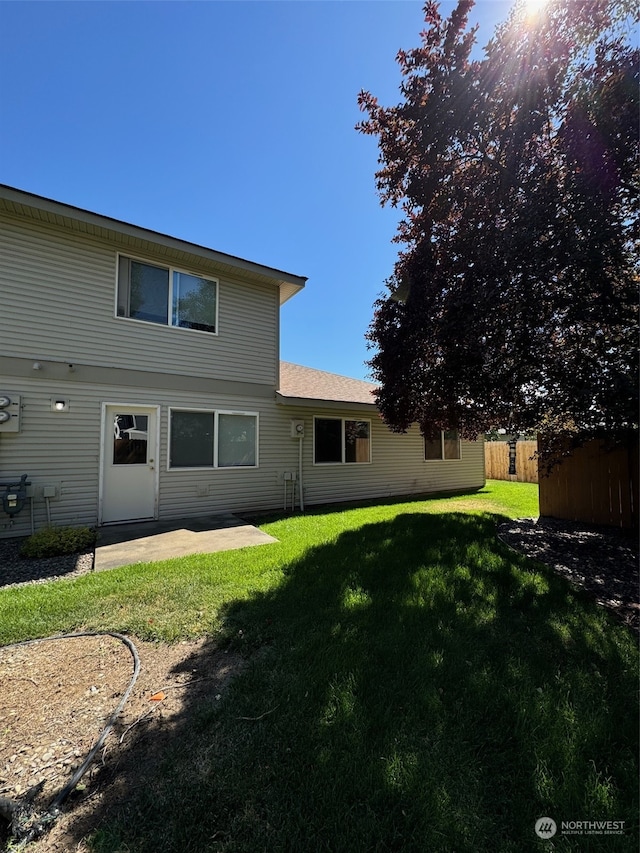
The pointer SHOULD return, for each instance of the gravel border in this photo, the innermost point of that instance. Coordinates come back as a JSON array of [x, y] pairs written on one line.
[[21, 571]]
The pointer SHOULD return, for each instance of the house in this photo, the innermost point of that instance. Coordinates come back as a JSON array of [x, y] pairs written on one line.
[[140, 378]]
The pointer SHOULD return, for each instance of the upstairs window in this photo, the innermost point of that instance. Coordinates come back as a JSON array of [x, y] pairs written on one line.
[[157, 294], [446, 446], [338, 440]]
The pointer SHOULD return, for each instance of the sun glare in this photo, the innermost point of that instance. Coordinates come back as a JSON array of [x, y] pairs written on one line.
[[532, 11], [534, 7]]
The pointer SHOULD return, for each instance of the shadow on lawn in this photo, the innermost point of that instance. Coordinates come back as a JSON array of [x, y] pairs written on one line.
[[414, 686]]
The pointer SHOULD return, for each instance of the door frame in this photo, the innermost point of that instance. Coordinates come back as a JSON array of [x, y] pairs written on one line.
[[155, 447]]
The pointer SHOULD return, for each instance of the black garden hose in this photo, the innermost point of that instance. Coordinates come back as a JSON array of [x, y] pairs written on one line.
[[52, 813]]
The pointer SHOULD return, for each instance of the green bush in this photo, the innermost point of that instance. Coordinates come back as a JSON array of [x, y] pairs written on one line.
[[55, 541]]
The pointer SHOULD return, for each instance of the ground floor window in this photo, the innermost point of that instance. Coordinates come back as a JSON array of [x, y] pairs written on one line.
[[445, 446], [339, 440], [212, 439]]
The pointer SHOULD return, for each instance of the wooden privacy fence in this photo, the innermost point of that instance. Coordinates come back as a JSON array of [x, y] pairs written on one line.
[[594, 485], [496, 461]]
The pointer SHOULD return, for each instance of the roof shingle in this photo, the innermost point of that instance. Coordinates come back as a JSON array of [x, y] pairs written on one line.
[[301, 382]]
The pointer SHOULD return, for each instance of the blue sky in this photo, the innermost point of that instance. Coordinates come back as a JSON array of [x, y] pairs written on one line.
[[229, 124]]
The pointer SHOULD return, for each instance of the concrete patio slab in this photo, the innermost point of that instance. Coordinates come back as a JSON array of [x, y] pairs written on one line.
[[150, 541]]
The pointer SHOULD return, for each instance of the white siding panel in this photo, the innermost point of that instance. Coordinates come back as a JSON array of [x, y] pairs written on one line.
[[65, 284]]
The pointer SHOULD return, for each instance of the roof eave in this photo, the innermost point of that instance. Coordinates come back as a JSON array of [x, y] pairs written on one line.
[[300, 402], [288, 283]]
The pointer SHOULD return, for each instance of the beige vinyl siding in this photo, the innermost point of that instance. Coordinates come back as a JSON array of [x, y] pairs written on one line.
[[59, 450], [63, 284], [64, 450], [397, 464], [57, 292], [25, 206]]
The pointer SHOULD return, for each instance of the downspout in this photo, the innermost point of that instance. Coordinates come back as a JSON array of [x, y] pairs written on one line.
[[300, 490]]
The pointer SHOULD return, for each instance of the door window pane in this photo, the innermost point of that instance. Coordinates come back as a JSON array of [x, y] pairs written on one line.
[[194, 302], [236, 440], [130, 439], [191, 440]]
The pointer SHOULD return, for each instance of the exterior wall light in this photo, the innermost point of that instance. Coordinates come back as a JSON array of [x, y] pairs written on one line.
[[59, 405]]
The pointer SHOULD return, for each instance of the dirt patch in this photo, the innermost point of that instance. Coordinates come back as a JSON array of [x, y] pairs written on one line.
[[57, 695]]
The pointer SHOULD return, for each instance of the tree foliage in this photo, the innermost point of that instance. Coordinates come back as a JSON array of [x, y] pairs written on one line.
[[514, 298]]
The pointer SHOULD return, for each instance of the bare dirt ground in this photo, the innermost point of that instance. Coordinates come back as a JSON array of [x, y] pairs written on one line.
[[57, 696]]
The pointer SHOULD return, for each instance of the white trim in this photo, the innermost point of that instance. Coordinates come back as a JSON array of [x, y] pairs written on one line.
[[216, 432], [102, 459]]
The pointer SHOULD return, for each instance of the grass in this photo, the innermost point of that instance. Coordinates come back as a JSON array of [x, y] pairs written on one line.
[[418, 687]]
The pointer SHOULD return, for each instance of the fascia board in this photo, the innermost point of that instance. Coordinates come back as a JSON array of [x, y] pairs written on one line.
[[288, 283], [312, 402]]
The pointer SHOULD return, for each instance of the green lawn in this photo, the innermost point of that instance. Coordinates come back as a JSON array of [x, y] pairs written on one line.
[[413, 685]]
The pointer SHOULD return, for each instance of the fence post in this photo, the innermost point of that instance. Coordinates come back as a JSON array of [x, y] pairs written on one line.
[[512, 457]]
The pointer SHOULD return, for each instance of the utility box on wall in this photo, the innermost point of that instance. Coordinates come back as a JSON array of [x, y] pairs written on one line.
[[9, 412], [297, 429]]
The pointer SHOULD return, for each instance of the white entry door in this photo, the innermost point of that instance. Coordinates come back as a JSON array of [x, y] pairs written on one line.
[[129, 466]]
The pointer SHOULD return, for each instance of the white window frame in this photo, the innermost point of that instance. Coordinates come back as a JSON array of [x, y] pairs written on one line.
[[442, 456], [343, 440], [216, 432], [171, 270]]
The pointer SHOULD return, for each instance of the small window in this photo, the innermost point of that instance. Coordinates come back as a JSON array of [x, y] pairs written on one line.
[[446, 446], [338, 440], [212, 439], [156, 294]]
